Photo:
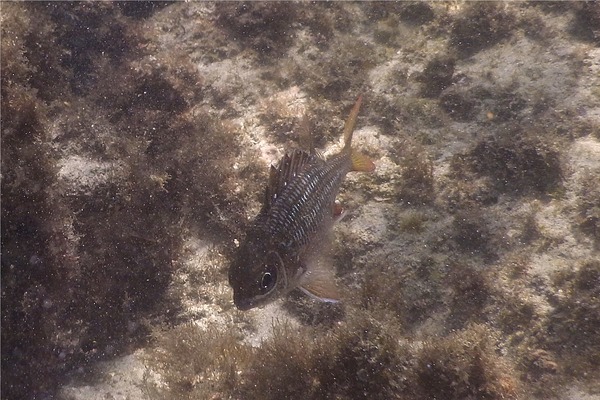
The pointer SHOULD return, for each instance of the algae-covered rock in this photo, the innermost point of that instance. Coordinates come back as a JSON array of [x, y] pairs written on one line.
[[136, 144]]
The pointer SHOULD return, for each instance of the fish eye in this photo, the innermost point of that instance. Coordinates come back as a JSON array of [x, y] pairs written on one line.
[[268, 280]]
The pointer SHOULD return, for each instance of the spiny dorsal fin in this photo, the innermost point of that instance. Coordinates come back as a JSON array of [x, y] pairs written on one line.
[[289, 166], [305, 137]]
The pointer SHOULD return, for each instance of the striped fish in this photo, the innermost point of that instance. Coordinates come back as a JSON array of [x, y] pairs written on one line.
[[282, 248]]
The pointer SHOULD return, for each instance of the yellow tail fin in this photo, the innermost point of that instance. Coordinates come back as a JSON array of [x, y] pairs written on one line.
[[361, 162]]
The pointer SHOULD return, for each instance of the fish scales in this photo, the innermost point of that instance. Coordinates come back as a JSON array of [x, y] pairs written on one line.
[[306, 202], [281, 251]]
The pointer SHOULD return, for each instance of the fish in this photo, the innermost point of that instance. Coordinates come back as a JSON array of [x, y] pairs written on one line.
[[284, 244]]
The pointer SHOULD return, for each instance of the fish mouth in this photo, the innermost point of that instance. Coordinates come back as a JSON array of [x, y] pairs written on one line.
[[243, 304]]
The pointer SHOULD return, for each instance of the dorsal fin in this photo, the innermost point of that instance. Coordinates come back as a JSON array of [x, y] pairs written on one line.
[[305, 137], [289, 166]]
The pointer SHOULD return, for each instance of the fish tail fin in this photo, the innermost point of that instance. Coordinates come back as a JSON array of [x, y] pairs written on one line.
[[360, 162]]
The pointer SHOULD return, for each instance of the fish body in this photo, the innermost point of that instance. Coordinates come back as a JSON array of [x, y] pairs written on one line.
[[282, 248]]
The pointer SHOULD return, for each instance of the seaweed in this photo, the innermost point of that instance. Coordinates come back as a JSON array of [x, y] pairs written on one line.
[[586, 24], [196, 363], [413, 221], [481, 25], [361, 357], [459, 106], [262, 27], [471, 232], [437, 76], [413, 293], [36, 253], [142, 10], [523, 166], [417, 184], [471, 293], [573, 324], [88, 255], [37, 246], [416, 13], [589, 206], [465, 365]]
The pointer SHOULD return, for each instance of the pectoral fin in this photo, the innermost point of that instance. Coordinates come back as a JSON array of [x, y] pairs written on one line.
[[320, 284]]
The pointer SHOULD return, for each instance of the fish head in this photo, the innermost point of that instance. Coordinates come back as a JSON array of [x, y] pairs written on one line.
[[257, 277]]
